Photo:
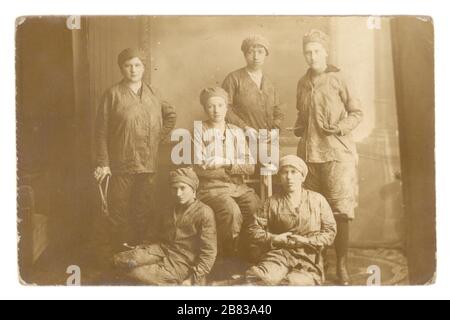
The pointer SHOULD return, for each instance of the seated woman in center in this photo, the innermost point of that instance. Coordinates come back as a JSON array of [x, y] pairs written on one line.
[[222, 160], [291, 230]]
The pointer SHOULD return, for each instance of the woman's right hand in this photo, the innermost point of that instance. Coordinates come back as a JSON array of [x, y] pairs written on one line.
[[101, 173], [216, 162], [333, 130], [252, 133]]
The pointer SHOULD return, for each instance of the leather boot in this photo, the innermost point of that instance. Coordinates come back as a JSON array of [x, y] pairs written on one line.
[[342, 271], [341, 244]]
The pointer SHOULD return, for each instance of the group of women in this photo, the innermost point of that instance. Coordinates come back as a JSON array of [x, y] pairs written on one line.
[[285, 238]]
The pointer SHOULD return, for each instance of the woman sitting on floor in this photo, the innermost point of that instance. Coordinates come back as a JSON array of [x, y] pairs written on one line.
[[292, 229], [186, 248]]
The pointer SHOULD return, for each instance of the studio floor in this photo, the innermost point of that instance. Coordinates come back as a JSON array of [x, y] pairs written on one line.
[[51, 270]]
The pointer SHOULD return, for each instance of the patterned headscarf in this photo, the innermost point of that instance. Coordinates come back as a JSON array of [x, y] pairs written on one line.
[[213, 92], [186, 176], [318, 36], [295, 162], [254, 41], [131, 53]]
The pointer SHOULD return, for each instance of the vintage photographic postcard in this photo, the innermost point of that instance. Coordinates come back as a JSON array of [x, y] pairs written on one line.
[[226, 150]]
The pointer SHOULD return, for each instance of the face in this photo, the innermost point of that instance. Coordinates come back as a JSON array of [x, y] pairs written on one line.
[[291, 178], [255, 57], [316, 56], [216, 108], [182, 193], [133, 70]]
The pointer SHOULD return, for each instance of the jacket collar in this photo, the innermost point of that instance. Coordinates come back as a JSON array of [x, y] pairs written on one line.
[[145, 87], [189, 210], [330, 69]]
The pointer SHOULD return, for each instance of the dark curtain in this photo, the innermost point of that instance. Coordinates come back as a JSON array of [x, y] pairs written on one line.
[[413, 49]]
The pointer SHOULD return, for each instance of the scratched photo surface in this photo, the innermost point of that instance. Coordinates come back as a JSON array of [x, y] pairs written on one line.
[[225, 151]]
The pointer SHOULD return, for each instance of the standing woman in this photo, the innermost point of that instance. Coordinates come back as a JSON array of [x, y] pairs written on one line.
[[328, 112], [132, 120], [254, 101]]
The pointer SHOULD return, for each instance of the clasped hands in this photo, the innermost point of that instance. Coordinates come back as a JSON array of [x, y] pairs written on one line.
[[216, 162]]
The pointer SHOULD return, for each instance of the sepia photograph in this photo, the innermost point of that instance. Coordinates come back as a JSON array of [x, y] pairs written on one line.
[[226, 150]]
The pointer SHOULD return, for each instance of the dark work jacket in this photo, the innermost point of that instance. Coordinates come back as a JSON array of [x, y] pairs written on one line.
[[254, 107], [190, 240], [129, 129]]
